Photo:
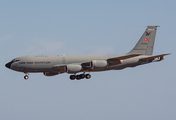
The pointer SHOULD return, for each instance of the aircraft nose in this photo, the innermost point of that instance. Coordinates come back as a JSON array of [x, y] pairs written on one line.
[[8, 65]]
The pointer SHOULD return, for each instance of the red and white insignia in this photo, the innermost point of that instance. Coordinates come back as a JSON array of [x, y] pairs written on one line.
[[146, 39], [121, 61]]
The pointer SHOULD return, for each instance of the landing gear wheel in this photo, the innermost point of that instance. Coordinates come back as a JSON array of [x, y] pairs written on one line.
[[72, 77], [88, 76], [83, 76], [26, 77], [78, 77]]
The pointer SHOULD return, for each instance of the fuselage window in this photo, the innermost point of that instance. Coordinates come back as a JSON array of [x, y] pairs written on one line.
[[15, 60]]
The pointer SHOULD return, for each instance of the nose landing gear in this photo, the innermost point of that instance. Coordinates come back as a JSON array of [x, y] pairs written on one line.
[[26, 76], [79, 77]]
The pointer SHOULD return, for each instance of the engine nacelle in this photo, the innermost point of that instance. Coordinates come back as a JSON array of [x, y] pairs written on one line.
[[50, 73], [73, 68], [98, 64]]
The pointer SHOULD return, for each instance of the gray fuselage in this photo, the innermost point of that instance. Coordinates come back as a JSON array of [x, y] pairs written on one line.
[[46, 63]]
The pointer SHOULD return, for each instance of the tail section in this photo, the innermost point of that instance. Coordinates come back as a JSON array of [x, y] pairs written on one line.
[[146, 42]]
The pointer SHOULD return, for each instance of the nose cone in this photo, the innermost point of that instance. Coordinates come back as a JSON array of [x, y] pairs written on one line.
[[8, 65]]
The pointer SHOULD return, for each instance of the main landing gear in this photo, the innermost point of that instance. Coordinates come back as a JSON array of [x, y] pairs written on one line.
[[79, 77], [26, 76], [72, 77]]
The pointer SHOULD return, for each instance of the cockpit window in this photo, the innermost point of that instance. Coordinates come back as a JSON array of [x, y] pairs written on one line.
[[15, 60]]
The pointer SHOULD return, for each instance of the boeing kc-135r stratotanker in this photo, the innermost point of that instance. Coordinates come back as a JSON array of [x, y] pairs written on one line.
[[52, 65]]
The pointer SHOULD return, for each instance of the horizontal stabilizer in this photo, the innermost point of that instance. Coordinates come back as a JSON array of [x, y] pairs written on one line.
[[160, 57]]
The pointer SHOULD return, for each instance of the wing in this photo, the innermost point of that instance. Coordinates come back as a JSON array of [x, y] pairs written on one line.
[[86, 65], [112, 61], [117, 60]]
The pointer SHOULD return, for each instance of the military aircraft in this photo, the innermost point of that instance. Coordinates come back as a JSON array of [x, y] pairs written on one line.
[[52, 65]]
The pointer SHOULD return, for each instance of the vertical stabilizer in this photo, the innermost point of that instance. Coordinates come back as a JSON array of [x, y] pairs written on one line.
[[145, 44]]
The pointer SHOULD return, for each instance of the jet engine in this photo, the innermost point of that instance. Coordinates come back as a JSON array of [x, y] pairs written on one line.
[[98, 64], [50, 73], [73, 68]]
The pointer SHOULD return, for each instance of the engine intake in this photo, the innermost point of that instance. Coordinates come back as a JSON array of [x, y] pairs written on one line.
[[98, 64]]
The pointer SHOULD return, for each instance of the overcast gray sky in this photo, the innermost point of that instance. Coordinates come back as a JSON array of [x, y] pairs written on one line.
[[80, 27]]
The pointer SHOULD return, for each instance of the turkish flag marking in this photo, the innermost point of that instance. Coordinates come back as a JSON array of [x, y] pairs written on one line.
[[146, 39]]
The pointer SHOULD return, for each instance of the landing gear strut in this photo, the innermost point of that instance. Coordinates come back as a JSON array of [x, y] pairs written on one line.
[[79, 77]]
